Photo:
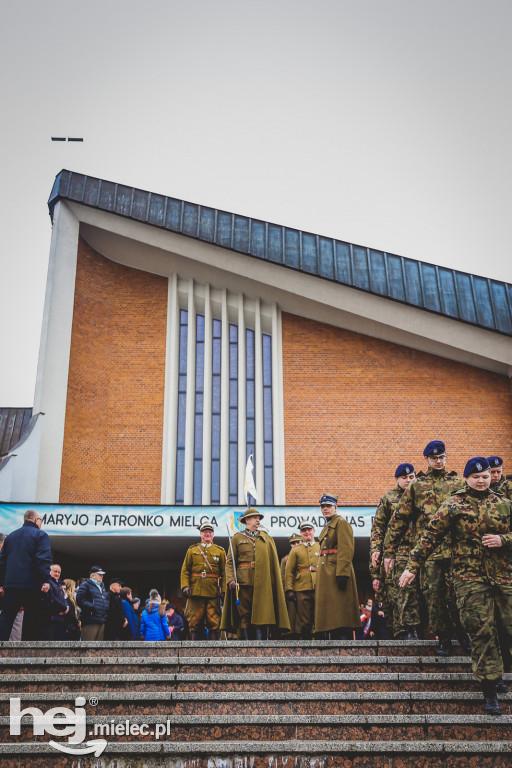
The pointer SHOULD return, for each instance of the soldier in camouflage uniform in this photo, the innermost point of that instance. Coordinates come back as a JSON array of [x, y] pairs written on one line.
[[402, 620], [412, 514], [300, 578], [203, 576], [479, 524], [500, 483]]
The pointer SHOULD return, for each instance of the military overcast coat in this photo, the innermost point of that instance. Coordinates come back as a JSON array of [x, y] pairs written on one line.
[[335, 608], [268, 606]]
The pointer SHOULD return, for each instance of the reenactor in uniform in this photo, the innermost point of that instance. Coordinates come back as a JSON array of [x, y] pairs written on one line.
[[478, 523], [401, 605], [336, 604], [253, 565], [203, 579], [300, 578], [413, 512], [295, 539]]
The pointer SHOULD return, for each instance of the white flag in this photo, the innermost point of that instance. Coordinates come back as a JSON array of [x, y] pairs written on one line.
[[250, 488]]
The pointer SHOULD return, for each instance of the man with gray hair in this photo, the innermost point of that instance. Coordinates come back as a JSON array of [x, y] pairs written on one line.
[[25, 560]]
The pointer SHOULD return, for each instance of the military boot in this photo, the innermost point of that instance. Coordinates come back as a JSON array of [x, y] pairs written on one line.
[[465, 642], [213, 635], [501, 686], [193, 636], [411, 633], [260, 633], [244, 633], [491, 706], [445, 647]]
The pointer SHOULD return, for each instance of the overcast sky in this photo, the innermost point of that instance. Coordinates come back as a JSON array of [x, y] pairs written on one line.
[[381, 122]]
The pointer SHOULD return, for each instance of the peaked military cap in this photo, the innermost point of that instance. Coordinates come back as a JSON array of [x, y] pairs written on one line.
[[305, 524], [294, 537], [206, 527], [328, 498], [404, 469], [495, 461], [477, 464], [251, 512], [434, 448]]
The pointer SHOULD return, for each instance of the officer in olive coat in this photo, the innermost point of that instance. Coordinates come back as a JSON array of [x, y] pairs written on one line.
[[252, 571], [203, 578], [300, 578], [337, 604], [291, 604]]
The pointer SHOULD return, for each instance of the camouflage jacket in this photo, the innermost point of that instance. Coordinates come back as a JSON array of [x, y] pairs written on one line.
[[380, 529], [503, 487], [418, 505], [467, 516]]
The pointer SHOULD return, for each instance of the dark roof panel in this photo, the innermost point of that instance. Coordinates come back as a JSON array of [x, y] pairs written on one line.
[[449, 292], [14, 423]]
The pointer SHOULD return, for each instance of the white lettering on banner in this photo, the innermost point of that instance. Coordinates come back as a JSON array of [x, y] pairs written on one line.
[[94, 520]]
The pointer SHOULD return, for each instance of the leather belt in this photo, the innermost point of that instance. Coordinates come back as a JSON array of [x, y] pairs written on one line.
[[311, 568], [328, 551], [205, 575], [246, 565]]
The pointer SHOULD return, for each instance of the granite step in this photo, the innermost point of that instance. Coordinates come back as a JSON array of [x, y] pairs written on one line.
[[261, 754], [293, 648], [261, 702], [305, 728], [233, 665], [291, 682]]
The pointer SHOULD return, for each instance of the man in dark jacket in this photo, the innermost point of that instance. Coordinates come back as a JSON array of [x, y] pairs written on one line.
[[25, 561], [54, 607], [116, 620], [93, 600]]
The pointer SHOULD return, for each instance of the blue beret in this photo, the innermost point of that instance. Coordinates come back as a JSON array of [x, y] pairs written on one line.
[[404, 469], [434, 448], [478, 464], [495, 461], [328, 499]]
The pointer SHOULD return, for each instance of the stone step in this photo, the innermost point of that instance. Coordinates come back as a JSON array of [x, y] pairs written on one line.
[[234, 665], [282, 728], [261, 754], [291, 682], [294, 648], [251, 702]]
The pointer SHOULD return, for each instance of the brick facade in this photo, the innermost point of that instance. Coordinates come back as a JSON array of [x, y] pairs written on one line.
[[355, 407], [115, 402]]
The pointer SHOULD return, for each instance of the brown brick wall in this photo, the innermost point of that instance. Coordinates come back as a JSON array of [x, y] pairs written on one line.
[[355, 407], [114, 411]]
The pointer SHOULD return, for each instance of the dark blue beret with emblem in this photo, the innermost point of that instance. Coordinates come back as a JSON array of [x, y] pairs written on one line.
[[477, 464], [404, 469], [434, 448], [495, 461], [328, 498]]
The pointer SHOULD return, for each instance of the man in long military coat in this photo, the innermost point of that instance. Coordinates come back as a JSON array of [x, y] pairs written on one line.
[[203, 578], [337, 604], [253, 566], [478, 523], [300, 578]]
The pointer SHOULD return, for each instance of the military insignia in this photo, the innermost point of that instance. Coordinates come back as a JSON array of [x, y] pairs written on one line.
[[434, 451], [408, 470], [479, 467]]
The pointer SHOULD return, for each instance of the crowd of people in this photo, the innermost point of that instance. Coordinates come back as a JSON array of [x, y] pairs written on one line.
[[440, 563]]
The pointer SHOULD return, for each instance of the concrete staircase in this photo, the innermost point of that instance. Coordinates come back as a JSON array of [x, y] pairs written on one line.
[[278, 704]]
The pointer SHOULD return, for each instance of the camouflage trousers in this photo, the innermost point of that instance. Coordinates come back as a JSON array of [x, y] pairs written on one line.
[[436, 586], [481, 606], [202, 609], [388, 596], [407, 600]]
